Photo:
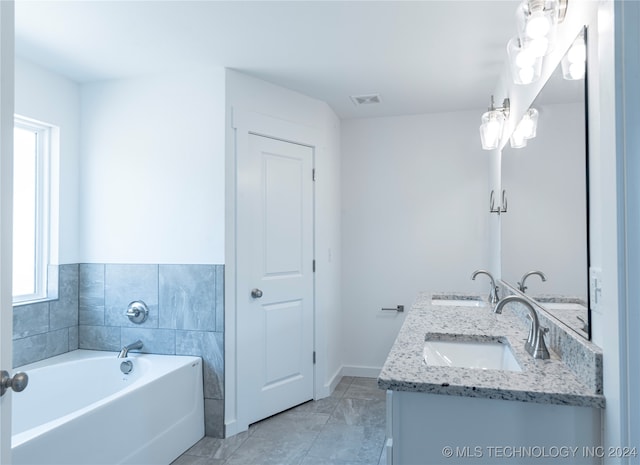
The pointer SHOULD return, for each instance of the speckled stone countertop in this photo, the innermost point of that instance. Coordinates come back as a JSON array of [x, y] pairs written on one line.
[[543, 381]]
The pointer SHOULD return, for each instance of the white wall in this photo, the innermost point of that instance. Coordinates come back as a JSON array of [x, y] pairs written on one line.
[[253, 95], [152, 169], [415, 217], [48, 97]]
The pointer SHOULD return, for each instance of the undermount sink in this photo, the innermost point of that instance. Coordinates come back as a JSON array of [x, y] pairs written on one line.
[[478, 353], [457, 301]]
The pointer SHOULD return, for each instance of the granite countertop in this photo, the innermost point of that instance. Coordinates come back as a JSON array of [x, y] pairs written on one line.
[[543, 381]]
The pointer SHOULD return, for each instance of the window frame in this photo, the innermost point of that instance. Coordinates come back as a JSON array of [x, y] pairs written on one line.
[[46, 240]]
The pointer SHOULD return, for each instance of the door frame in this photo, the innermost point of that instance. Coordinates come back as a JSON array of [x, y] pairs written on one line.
[[242, 123], [6, 212]]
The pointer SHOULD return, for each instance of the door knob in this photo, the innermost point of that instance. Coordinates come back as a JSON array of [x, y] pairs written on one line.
[[256, 293], [17, 383]]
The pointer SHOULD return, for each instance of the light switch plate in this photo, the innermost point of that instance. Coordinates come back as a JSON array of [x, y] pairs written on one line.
[[595, 288]]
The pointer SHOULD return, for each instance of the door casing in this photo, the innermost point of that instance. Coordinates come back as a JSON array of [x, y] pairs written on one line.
[[243, 123]]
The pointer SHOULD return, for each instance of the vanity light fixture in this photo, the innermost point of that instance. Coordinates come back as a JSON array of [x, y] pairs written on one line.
[[525, 64], [537, 21], [525, 130], [492, 126], [574, 62]]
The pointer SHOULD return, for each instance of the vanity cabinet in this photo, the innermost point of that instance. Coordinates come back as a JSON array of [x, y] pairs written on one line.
[[435, 429], [542, 413]]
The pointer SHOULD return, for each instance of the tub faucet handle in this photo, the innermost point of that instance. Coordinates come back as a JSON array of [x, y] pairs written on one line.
[[137, 312]]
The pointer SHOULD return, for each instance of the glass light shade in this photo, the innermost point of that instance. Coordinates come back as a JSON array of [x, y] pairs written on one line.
[[528, 125], [491, 129], [525, 64], [517, 139], [574, 62], [536, 22]]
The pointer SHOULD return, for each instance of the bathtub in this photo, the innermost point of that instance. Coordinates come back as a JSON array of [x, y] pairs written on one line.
[[79, 408]]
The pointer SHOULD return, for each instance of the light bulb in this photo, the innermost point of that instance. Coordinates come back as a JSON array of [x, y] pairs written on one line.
[[517, 140], [538, 47], [577, 70], [526, 75], [525, 58], [538, 25]]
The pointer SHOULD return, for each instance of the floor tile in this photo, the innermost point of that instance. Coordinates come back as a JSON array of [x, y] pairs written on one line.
[[289, 450], [359, 444], [326, 405], [346, 428], [291, 423], [217, 448], [361, 412]]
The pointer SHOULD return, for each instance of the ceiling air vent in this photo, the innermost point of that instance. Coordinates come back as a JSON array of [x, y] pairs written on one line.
[[365, 99]]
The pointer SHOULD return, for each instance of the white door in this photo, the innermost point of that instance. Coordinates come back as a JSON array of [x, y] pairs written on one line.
[[6, 201], [274, 277]]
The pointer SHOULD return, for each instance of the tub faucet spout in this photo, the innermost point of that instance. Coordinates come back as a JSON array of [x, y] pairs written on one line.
[[133, 346]]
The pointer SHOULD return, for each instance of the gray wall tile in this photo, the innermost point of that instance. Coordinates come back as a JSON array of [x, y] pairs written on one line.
[[126, 283], [73, 338], [209, 346], [214, 418], [99, 337], [29, 320], [156, 341], [91, 294], [187, 297], [220, 298], [63, 313], [33, 348]]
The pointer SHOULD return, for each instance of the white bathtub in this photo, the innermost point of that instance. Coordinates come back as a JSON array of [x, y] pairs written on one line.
[[79, 408]]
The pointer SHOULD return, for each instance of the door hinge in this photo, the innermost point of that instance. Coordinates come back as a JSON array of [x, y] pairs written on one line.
[[314, 357], [313, 174], [313, 266]]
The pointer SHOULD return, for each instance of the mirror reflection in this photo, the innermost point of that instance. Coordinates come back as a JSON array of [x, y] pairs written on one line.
[[544, 233]]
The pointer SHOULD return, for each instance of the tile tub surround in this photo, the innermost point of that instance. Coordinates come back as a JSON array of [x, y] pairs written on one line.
[[187, 309], [45, 329], [543, 381], [186, 305]]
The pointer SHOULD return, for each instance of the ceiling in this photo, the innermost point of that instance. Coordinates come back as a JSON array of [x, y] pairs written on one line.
[[419, 56]]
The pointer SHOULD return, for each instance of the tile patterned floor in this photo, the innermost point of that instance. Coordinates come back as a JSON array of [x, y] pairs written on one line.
[[346, 428]]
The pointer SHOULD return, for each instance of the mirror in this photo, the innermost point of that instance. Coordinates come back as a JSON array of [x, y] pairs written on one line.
[[545, 227]]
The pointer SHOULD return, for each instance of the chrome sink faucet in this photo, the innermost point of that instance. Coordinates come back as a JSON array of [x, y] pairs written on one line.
[[535, 344], [493, 295], [521, 285], [133, 346]]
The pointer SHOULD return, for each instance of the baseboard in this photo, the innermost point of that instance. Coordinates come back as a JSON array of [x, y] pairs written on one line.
[[360, 371]]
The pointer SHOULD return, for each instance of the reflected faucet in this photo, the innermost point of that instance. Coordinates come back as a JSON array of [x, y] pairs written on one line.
[[493, 295], [521, 285], [535, 344], [133, 346]]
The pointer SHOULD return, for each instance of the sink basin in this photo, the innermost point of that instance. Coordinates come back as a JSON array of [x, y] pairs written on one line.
[[477, 354], [458, 302]]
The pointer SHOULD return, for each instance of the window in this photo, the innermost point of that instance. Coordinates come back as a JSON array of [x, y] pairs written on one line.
[[34, 200]]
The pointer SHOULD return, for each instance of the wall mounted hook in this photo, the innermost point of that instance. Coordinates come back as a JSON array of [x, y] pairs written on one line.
[[502, 208]]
